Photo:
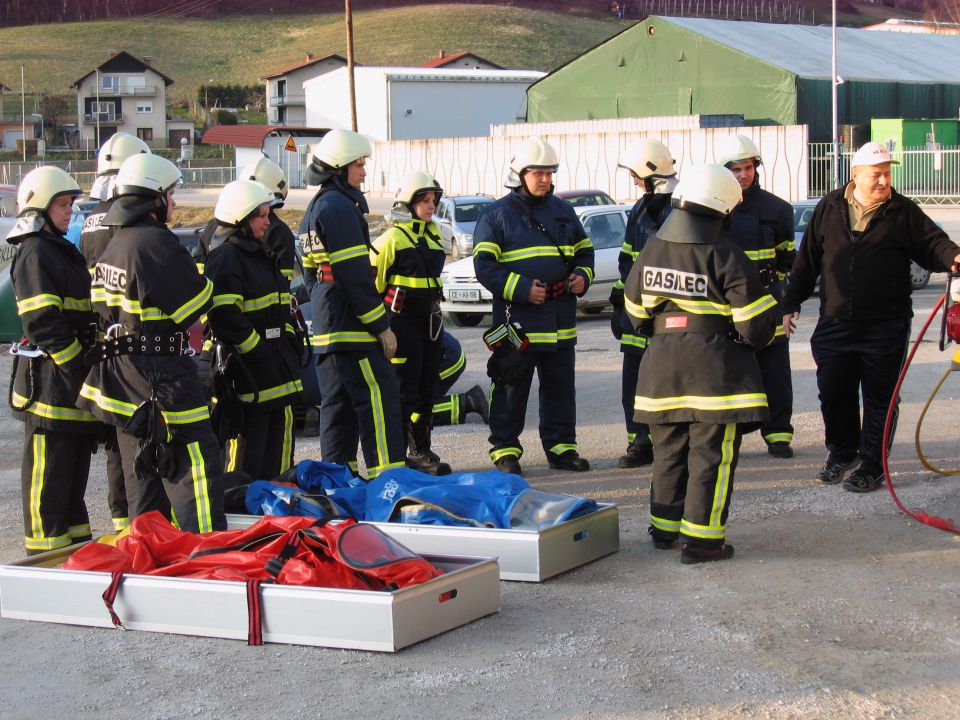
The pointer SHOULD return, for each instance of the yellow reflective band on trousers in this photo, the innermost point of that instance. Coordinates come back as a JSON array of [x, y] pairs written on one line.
[[753, 309], [121, 523], [273, 393], [504, 452], [375, 471], [784, 437], [449, 407], [670, 526], [201, 488], [700, 402], [233, 453], [53, 412], [79, 531], [724, 479], [561, 448], [286, 460], [379, 421], [459, 363]]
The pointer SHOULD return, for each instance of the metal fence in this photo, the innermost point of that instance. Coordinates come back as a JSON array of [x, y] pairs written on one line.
[[193, 178], [930, 177]]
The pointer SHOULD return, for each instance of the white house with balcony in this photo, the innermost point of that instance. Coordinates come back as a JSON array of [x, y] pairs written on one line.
[[284, 88], [405, 103], [127, 94]]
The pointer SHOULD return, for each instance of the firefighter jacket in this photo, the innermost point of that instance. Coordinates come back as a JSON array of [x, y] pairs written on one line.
[[689, 297], [348, 312], [763, 228], [866, 276], [279, 238], [145, 283], [519, 239], [52, 287], [409, 258], [646, 217], [95, 236], [251, 317]]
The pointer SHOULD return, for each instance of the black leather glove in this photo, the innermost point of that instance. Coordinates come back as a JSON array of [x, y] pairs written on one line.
[[616, 322]]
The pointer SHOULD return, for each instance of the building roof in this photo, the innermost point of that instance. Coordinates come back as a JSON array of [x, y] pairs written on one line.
[[311, 60], [443, 60], [123, 62], [416, 74], [253, 135], [862, 55]]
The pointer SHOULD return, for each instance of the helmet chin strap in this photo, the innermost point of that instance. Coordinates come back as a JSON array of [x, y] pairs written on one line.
[[49, 223]]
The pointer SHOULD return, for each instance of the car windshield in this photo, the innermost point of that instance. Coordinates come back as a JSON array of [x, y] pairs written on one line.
[[469, 212], [589, 200], [801, 217]]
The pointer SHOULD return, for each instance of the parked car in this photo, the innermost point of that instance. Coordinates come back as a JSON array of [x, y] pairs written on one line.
[[585, 198], [466, 301], [456, 216], [803, 212]]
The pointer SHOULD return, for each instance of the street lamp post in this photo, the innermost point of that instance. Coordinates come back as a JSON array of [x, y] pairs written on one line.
[[41, 144], [96, 110], [835, 132]]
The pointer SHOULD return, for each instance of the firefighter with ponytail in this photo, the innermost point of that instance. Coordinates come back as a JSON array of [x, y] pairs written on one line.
[[352, 338], [250, 321], [52, 287], [699, 299], [147, 293], [408, 259]]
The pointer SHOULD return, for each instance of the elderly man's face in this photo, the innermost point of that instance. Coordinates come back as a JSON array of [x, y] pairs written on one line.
[[872, 183]]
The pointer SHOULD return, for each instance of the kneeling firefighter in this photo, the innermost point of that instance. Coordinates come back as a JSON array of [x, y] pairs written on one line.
[[52, 288], [409, 258], [252, 333], [453, 409], [700, 298], [147, 292]]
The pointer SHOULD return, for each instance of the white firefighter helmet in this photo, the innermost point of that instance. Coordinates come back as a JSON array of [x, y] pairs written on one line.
[[534, 153], [414, 183], [268, 173], [647, 158], [239, 199], [42, 186], [118, 148], [710, 187], [146, 175], [338, 148], [735, 148]]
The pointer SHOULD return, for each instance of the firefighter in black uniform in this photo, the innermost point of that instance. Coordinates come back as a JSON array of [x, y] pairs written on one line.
[[651, 166], [250, 320], [859, 243], [351, 326], [763, 228], [531, 252], [453, 409], [408, 259], [693, 291], [148, 293], [52, 288], [94, 238]]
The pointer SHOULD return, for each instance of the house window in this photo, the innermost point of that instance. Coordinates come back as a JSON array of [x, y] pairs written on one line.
[[110, 82], [145, 134], [105, 111], [144, 107], [281, 115], [281, 89]]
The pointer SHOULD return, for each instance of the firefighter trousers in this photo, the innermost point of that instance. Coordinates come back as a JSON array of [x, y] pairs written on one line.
[[361, 402], [53, 478], [853, 358], [558, 405], [417, 364], [192, 490], [693, 470], [636, 432], [264, 449], [116, 485], [774, 362]]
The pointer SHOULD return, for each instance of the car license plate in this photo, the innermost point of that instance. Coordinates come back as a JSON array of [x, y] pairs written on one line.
[[463, 295]]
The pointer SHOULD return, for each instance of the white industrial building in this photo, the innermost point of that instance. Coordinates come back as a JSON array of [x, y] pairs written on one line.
[[419, 103]]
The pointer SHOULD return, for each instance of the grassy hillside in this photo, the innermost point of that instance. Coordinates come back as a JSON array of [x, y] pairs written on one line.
[[239, 49]]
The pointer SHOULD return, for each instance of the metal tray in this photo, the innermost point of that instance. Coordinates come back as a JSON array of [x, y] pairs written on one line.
[[35, 589], [525, 555]]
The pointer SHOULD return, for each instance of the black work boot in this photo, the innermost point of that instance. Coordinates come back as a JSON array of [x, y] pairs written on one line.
[[569, 460], [637, 455], [509, 464], [692, 555], [474, 400], [420, 457]]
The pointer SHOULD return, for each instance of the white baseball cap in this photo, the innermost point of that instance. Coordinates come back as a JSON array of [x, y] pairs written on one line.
[[873, 153]]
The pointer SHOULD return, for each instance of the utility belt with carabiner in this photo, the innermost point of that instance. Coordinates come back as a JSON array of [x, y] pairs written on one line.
[[114, 345], [402, 301]]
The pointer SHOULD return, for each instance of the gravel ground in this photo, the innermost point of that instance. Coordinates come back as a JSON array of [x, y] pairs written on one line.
[[835, 606]]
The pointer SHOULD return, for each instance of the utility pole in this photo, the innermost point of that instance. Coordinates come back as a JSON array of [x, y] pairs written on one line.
[[23, 114], [353, 90], [835, 132]]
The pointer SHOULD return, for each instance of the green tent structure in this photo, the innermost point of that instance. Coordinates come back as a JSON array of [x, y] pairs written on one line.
[[769, 73]]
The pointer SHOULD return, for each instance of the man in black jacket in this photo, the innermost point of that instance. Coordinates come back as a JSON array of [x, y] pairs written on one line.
[[860, 242]]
